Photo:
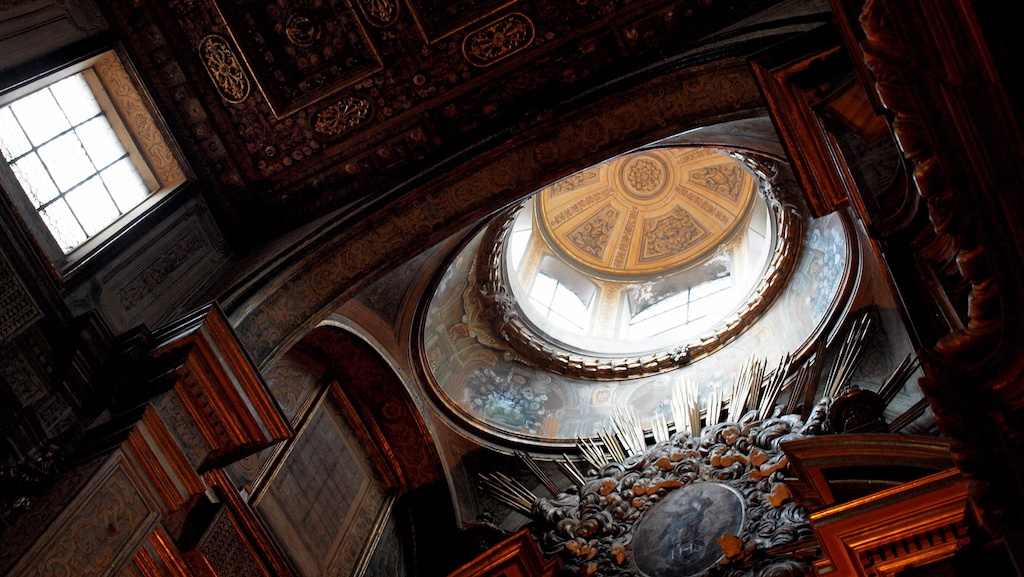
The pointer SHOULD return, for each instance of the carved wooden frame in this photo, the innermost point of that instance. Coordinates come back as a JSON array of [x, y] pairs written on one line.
[[880, 535], [592, 526], [814, 152]]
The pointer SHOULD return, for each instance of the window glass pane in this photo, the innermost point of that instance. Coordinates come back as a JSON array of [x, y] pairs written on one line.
[[13, 142], [76, 99], [35, 180], [71, 164], [67, 161], [563, 322], [569, 305], [661, 307], [543, 289], [99, 140], [699, 311], [125, 185], [518, 243], [92, 205], [63, 226], [710, 287], [40, 116]]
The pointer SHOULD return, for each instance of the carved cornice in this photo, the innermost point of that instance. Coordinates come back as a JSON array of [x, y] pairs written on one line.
[[516, 555], [882, 535], [207, 388], [888, 61]]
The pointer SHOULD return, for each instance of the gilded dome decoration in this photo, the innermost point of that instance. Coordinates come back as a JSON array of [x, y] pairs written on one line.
[[649, 213], [638, 265]]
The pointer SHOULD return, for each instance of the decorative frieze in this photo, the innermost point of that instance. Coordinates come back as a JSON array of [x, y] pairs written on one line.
[[160, 268]]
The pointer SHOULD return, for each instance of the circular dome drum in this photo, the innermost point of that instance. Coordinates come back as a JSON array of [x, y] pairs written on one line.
[[524, 343], [637, 265], [647, 214]]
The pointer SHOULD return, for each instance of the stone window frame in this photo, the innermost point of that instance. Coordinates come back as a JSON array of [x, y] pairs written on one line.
[[133, 117]]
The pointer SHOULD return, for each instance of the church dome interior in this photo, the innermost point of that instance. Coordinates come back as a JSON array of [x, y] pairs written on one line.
[[511, 288]]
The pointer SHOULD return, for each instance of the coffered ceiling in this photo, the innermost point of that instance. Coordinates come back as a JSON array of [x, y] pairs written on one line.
[[295, 109]]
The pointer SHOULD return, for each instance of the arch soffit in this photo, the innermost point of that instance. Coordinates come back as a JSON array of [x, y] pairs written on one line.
[[382, 403]]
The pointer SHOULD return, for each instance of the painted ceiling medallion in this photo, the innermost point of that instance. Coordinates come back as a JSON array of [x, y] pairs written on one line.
[[648, 213], [644, 176]]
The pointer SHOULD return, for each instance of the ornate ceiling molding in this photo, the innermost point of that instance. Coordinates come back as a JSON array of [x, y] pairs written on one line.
[[648, 213]]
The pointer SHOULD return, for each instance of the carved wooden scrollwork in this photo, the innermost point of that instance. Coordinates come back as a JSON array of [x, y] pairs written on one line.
[[225, 68], [732, 473], [913, 83]]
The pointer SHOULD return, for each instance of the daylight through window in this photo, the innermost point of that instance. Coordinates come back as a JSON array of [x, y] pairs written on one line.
[[69, 161], [639, 254]]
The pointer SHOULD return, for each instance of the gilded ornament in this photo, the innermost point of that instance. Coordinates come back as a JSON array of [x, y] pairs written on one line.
[[593, 235], [225, 68], [302, 30], [644, 176], [498, 40], [379, 12], [342, 115], [573, 182], [723, 179], [673, 509], [671, 234]]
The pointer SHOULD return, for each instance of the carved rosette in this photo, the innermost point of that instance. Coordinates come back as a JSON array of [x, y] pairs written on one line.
[[733, 470], [498, 305], [380, 13], [497, 40], [302, 29], [224, 68], [341, 116]]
